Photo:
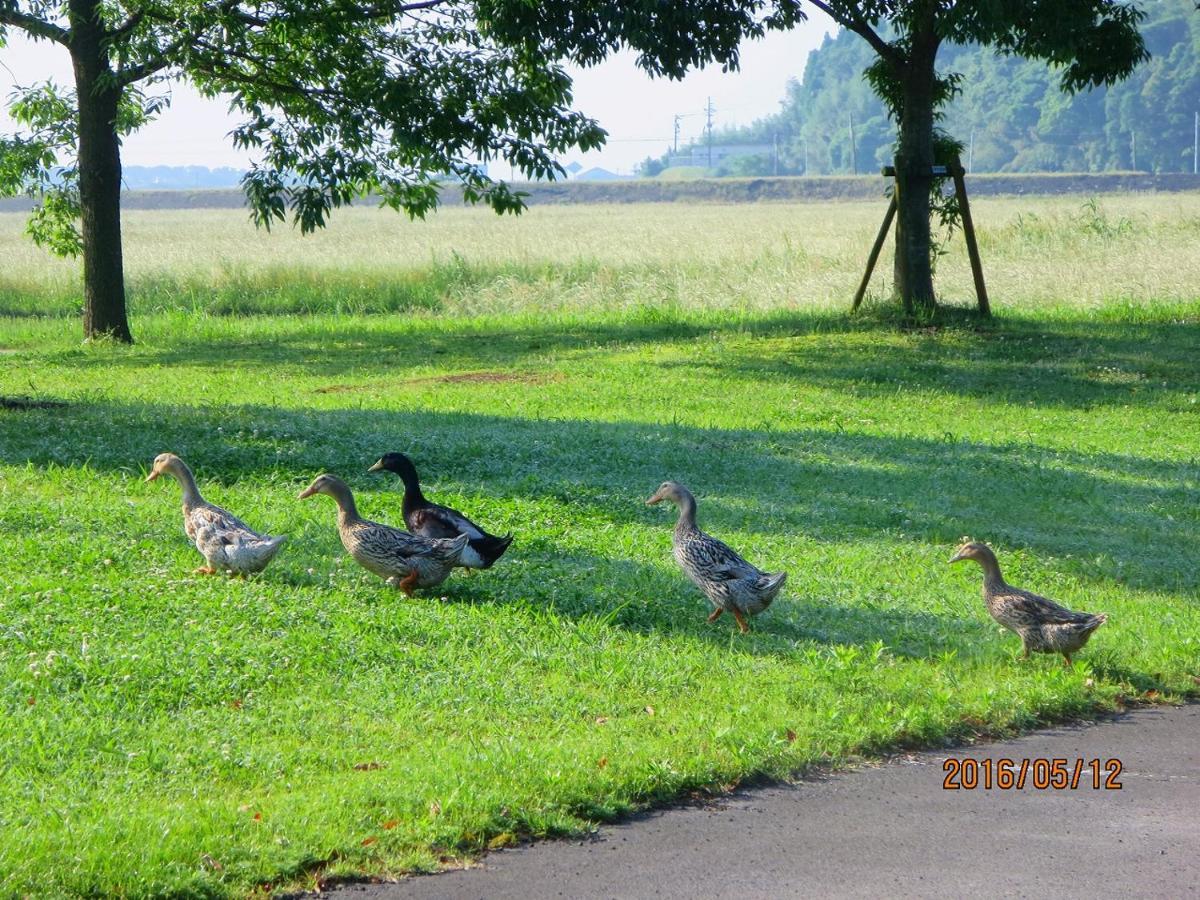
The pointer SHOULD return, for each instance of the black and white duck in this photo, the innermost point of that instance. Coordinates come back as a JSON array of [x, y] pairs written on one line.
[[432, 520]]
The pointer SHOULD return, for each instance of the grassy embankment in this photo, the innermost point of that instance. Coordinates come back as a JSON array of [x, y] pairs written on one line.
[[166, 732]]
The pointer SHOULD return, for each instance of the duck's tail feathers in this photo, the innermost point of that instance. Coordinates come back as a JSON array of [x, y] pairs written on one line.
[[1094, 622], [450, 549], [490, 548], [770, 584], [259, 553]]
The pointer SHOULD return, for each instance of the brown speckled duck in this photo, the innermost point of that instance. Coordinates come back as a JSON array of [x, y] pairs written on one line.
[[1043, 625], [408, 560], [727, 580], [226, 542]]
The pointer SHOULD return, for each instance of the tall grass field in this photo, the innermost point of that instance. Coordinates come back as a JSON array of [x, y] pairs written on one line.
[[169, 733]]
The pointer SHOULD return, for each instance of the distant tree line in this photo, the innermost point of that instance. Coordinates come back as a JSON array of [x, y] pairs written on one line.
[[1009, 113], [180, 177]]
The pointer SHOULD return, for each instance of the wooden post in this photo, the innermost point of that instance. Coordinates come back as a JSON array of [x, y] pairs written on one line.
[[956, 172], [875, 251], [960, 189]]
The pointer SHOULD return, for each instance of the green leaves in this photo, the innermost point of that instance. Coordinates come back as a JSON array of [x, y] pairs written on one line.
[[41, 164], [52, 222], [395, 100], [669, 38], [350, 107]]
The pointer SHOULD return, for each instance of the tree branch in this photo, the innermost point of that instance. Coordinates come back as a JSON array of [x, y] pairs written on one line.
[[127, 26], [150, 66], [163, 59], [35, 26], [377, 11], [404, 7], [861, 27]]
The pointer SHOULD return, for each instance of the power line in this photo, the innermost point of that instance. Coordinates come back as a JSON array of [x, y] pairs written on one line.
[[853, 148], [708, 112]]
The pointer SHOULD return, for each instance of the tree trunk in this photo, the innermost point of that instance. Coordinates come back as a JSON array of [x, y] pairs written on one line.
[[914, 161], [99, 177]]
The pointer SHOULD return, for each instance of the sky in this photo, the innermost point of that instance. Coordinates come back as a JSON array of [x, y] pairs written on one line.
[[637, 111]]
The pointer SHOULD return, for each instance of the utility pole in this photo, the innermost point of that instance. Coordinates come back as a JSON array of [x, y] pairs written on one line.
[[1133, 149], [1196, 144], [675, 143], [853, 148], [708, 112], [775, 152], [806, 155], [971, 154]]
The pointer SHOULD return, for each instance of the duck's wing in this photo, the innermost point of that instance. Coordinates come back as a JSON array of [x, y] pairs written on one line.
[[1035, 608], [240, 551], [384, 540], [716, 559], [435, 521], [209, 518]]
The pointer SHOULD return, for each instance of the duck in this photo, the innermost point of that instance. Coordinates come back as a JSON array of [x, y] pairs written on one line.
[[1042, 625], [728, 581], [432, 520], [409, 560], [226, 542]]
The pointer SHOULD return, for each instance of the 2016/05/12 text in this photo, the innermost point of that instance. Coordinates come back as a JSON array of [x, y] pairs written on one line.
[[1040, 773]]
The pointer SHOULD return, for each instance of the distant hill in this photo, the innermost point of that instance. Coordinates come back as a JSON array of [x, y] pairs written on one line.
[[1020, 120], [189, 178]]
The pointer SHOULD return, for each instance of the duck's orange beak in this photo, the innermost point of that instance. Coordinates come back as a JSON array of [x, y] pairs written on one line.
[[959, 556], [657, 498], [154, 473], [306, 493]]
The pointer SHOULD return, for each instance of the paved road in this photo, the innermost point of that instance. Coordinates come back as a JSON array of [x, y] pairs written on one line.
[[892, 831]]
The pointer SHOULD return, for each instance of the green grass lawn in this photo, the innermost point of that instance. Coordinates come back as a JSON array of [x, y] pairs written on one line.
[[170, 733]]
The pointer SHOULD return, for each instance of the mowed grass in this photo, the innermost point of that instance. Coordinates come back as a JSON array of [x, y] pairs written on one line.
[[169, 733]]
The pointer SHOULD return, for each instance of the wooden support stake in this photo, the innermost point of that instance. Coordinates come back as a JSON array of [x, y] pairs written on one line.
[[874, 257], [956, 171], [960, 188]]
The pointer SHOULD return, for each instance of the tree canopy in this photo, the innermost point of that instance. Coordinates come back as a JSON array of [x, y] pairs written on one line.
[[348, 97], [338, 98], [1021, 119]]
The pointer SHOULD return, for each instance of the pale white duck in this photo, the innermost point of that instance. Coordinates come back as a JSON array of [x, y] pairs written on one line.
[[226, 542]]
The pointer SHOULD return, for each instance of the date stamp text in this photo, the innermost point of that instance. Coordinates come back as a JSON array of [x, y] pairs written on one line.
[[1039, 774]]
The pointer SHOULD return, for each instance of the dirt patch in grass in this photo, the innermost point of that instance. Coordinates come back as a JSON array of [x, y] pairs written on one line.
[[457, 378], [29, 403]]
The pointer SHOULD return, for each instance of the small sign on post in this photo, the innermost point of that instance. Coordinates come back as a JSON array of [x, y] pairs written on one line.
[[955, 171]]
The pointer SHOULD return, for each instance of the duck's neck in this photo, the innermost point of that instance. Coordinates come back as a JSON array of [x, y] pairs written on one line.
[[347, 510], [413, 498], [991, 571], [191, 493], [687, 513]]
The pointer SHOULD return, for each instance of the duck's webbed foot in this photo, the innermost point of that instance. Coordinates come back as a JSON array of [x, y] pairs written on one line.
[[741, 619], [715, 614], [205, 570], [1067, 658], [408, 583]]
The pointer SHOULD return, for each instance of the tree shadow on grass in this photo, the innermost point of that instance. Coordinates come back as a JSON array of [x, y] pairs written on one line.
[[1119, 517], [1078, 364], [329, 348], [657, 599]]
